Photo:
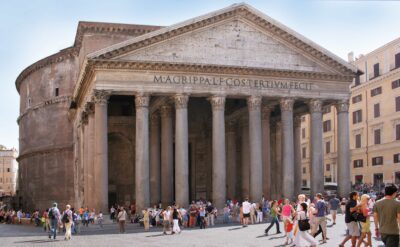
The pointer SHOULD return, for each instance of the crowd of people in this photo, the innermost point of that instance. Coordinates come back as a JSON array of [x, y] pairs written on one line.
[[303, 220]]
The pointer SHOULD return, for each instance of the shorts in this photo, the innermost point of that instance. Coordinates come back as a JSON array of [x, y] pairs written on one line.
[[246, 215], [354, 231]]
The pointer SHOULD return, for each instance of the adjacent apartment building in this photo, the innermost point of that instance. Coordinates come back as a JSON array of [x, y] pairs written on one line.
[[374, 120], [8, 171]]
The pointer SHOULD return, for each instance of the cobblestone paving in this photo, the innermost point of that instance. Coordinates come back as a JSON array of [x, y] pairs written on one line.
[[220, 235]]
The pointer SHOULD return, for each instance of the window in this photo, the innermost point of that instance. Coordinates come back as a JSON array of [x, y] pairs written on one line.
[[358, 141], [376, 70], [395, 84], [357, 80], [327, 125], [398, 103], [397, 60], [304, 153], [397, 131], [376, 91], [377, 111], [356, 99], [358, 163], [396, 158], [304, 170], [326, 109], [303, 133], [328, 167], [357, 116], [56, 91], [327, 147], [377, 160], [377, 136]]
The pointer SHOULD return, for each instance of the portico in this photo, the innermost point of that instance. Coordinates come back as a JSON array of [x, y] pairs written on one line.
[[211, 113]]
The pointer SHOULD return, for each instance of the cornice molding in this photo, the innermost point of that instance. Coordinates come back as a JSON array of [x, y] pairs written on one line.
[[56, 100]]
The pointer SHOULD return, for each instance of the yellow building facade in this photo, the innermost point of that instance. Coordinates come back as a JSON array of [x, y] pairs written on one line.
[[374, 121], [8, 171]]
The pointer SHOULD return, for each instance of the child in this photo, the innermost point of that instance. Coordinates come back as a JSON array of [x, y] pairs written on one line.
[[289, 231]]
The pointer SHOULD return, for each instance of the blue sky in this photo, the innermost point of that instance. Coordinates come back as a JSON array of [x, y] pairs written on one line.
[[31, 30]]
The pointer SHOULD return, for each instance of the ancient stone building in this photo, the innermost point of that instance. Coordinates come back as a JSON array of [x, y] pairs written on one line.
[[207, 108]]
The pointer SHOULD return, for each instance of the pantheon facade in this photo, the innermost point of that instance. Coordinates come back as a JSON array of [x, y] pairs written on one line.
[[206, 108]]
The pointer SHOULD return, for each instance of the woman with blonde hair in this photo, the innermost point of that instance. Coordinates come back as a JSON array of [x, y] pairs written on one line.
[[365, 226]]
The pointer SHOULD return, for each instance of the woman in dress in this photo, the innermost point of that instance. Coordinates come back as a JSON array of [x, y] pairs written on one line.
[[303, 238], [365, 226]]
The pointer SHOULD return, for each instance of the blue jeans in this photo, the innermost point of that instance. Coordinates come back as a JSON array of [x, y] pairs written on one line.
[[276, 221], [226, 218], [53, 228]]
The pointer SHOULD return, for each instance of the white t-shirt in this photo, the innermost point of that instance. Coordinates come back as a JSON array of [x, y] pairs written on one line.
[[246, 207]]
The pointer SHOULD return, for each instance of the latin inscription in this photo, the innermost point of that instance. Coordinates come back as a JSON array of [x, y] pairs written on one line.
[[231, 82]]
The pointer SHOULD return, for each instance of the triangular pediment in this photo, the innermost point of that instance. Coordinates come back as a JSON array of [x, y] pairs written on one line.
[[237, 36]]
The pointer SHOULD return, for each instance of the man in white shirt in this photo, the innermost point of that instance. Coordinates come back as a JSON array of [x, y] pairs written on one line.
[[246, 207]]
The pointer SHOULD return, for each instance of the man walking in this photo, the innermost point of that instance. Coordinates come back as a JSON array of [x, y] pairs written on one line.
[[351, 223], [334, 204], [320, 206], [387, 217], [246, 212], [54, 217]]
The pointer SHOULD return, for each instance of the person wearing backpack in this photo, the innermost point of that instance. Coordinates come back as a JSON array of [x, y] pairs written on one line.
[[54, 218], [67, 220]]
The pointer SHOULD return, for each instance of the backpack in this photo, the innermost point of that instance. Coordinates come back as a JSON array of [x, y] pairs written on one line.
[[65, 218], [51, 214]]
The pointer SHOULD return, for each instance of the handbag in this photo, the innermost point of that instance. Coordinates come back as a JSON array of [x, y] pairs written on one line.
[[304, 225], [359, 217]]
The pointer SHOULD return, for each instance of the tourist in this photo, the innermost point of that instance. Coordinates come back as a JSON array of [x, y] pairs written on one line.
[[210, 214], [246, 207], [303, 238], [334, 204], [67, 220], [193, 214], [259, 214], [112, 213], [176, 216], [353, 231], [274, 218], [202, 218], [320, 206], [121, 218], [287, 212], [387, 217], [54, 216], [365, 226], [146, 219], [226, 214], [166, 214], [100, 219]]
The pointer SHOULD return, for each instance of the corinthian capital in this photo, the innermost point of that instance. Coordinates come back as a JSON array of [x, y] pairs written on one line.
[[142, 101], [286, 104], [254, 103], [181, 101], [315, 105], [89, 108], [100, 96], [342, 106], [217, 102]]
